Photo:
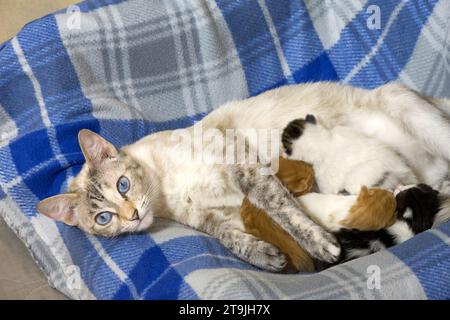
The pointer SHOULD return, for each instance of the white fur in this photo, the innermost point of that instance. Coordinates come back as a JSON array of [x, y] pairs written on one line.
[[408, 213], [428, 166], [401, 231], [344, 159], [328, 210]]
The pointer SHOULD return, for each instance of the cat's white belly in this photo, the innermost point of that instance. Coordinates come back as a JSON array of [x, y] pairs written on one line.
[[429, 168], [196, 191]]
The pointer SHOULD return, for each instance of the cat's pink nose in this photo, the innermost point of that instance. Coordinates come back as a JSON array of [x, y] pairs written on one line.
[[135, 215]]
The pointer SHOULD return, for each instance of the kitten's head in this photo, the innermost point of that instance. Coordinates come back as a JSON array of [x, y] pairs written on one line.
[[418, 205], [374, 209], [112, 194], [301, 134]]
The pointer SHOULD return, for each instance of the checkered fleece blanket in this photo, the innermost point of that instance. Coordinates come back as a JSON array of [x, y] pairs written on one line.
[[130, 68]]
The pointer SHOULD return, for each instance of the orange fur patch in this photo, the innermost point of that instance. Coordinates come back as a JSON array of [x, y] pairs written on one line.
[[259, 224], [298, 177], [374, 209]]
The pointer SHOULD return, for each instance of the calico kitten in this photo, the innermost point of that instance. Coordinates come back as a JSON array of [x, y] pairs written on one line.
[[343, 159], [372, 209], [121, 191], [417, 210], [364, 224]]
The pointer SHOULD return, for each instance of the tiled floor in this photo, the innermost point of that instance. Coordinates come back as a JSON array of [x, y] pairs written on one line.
[[14, 14]]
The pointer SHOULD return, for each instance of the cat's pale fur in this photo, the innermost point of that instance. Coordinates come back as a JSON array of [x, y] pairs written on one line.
[[372, 209], [344, 160], [208, 196]]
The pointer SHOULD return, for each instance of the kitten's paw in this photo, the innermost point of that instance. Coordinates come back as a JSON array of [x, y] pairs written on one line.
[[323, 245], [268, 257]]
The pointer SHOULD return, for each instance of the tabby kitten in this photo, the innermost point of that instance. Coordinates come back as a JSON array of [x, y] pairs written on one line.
[[120, 191]]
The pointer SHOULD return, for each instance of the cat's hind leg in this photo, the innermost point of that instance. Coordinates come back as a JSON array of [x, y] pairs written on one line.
[[444, 196], [442, 104], [253, 250], [417, 114]]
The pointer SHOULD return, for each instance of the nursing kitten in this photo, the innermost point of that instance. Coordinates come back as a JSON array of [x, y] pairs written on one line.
[[343, 159], [418, 209], [121, 191], [372, 209]]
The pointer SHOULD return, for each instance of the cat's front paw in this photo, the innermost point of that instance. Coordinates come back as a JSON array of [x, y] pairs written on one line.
[[268, 257], [323, 245]]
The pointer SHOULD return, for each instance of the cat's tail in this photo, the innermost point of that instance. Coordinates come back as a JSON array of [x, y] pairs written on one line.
[[444, 212], [422, 117], [442, 104]]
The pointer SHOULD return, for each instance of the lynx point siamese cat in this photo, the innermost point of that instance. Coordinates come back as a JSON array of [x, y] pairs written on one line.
[[121, 191]]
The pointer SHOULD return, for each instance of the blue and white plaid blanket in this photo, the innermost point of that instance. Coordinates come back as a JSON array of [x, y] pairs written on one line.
[[130, 68]]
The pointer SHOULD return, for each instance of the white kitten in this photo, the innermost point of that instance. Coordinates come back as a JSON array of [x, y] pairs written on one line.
[[343, 159]]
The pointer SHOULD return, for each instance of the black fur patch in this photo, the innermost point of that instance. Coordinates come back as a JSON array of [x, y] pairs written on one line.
[[292, 132], [351, 239], [424, 204], [421, 199], [310, 119], [357, 239]]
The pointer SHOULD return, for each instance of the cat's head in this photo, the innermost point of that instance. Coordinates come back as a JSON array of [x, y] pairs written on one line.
[[112, 194], [418, 205]]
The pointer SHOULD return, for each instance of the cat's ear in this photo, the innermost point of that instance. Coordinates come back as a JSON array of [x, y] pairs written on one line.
[[95, 148], [60, 208], [310, 119]]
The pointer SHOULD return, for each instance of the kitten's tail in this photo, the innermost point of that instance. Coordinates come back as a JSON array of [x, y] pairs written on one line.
[[425, 118]]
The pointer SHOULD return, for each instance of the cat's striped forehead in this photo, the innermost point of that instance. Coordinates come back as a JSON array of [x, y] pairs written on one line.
[[95, 194], [98, 186]]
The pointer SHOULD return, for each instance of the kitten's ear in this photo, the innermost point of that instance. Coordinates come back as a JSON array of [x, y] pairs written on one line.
[[95, 148], [310, 119], [60, 208], [364, 191]]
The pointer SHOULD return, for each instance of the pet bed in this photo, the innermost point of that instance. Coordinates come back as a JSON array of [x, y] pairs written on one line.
[[130, 68]]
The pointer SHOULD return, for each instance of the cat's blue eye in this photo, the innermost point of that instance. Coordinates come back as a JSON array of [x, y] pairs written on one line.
[[103, 218], [123, 185]]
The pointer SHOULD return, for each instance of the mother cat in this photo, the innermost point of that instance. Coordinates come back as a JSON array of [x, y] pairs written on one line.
[[120, 191]]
